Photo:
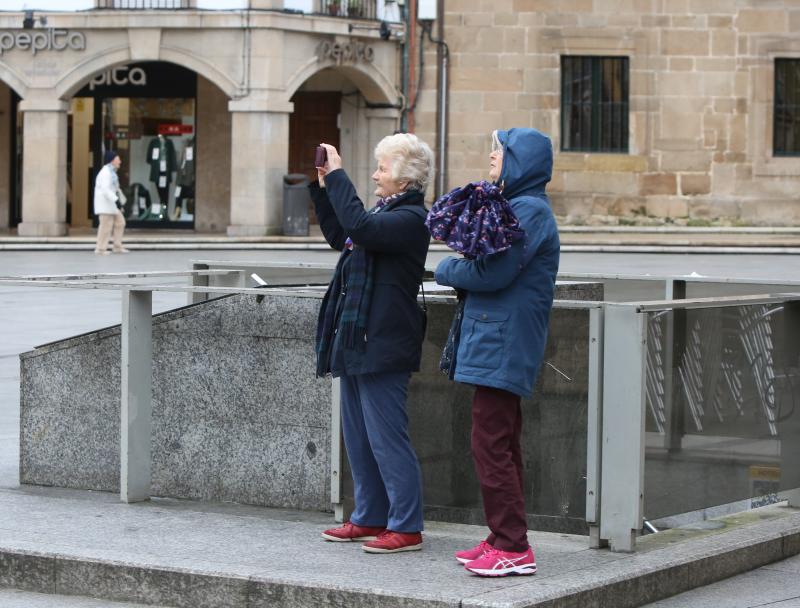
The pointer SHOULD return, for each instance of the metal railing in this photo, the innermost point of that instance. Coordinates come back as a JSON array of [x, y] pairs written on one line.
[[353, 9], [134, 5], [648, 362]]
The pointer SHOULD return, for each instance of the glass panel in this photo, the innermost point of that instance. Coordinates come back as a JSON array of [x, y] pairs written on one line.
[[722, 416], [553, 434]]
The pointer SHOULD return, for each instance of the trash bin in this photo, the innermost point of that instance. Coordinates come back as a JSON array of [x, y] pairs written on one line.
[[296, 200]]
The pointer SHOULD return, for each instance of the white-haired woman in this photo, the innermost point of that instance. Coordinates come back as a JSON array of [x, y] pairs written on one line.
[[370, 333]]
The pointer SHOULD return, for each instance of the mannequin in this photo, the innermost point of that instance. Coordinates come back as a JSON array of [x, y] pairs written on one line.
[[184, 190], [161, 158]]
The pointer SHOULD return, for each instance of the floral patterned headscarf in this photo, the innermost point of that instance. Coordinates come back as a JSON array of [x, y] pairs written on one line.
[[474, 220]]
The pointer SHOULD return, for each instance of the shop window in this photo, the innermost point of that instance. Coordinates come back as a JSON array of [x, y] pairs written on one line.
[[146, 113], [786, 127], [594, 104]]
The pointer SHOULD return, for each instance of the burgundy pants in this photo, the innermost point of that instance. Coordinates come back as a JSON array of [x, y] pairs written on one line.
[[496, 429]]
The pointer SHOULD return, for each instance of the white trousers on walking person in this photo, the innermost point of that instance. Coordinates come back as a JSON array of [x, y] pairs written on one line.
[[110, 224]]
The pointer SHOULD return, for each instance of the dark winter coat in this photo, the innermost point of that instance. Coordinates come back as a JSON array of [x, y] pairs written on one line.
[[398, 241], [510, 294], [166, 151]]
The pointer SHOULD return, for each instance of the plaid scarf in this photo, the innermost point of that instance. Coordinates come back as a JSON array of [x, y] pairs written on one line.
[[352, 322]]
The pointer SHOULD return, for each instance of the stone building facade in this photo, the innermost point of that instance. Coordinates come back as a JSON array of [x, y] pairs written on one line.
[[701, 97], [228, 89]]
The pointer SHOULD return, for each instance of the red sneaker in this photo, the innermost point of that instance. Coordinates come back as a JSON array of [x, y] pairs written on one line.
[[350, 532], [468, 555], [394, 542], [502, 563]]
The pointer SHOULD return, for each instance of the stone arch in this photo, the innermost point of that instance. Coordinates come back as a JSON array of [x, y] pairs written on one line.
[[75, 79], [371, 82], [10, 77]]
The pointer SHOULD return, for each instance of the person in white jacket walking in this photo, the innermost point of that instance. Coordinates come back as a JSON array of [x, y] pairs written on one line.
[[106, 195]]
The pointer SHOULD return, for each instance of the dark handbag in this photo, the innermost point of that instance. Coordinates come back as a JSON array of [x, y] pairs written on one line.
[[447, 362]]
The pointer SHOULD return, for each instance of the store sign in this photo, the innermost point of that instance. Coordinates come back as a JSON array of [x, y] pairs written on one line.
[[350, 52], [122, 76], [175, 129], [36, 41]]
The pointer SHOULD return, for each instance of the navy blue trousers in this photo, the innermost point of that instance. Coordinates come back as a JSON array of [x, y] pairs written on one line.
[[386, 473]]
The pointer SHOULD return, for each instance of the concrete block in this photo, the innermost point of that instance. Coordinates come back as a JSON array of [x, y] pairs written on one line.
[[149, 585], [27, 571], [685, 42], [694, 184], [276, 595], [714, 208], [667, 206], [697, 161], [658, 183], [553, 6], [723, 43], [761, 21], [729, 563]]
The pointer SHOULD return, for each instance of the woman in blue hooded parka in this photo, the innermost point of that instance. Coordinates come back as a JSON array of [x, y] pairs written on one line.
[[502, 340]]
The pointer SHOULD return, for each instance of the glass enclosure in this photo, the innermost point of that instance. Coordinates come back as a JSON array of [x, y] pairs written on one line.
[[554, 430], [722, 419]]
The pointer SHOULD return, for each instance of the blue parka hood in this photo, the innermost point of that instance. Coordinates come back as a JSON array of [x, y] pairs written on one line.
[[510, 293], [527, 162]]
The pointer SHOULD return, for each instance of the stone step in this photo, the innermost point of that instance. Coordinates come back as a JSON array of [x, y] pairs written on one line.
[[14, 598], [193, 555]]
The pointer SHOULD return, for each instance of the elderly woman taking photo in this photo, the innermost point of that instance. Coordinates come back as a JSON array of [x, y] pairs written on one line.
[[503, 333], [370, 334]]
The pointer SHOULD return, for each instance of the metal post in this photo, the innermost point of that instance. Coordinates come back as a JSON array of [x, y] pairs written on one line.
[[675, 344], [137, 389], [789, 427], [198, 281], [622, 470], [336, 451], [594, 435]]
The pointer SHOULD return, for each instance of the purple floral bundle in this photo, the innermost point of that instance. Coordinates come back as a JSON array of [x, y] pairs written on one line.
[[474, 220]]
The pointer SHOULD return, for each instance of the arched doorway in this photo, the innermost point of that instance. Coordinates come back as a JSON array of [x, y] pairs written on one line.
[[332, 106], [12, 89], [169, 125]]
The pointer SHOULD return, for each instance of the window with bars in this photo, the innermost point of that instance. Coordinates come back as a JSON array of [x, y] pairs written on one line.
[[786, 121], [594, 104]]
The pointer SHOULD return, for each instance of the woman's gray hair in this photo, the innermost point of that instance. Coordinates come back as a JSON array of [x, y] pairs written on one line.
[[497, 146], [412, 159]]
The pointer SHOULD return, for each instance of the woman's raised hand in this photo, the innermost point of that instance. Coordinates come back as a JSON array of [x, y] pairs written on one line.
[[334, 160]]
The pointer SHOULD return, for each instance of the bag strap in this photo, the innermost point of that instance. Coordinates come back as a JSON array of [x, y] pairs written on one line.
[[424, 302]]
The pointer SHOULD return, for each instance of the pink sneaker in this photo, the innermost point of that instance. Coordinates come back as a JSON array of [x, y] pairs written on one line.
[[502, 563], [468, 555]]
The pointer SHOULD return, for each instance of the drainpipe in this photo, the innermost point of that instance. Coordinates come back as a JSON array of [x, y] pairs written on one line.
[[405, 69], [443, 58]]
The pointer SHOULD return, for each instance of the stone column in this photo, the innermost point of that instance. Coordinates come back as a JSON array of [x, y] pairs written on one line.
[[380, 123], [6, 157], [259, 160], [44, 168]]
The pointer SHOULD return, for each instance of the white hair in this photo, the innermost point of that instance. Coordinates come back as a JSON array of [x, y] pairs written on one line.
[[412, 159]]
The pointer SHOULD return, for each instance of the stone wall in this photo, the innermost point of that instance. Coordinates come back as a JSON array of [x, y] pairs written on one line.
[[701, 95]]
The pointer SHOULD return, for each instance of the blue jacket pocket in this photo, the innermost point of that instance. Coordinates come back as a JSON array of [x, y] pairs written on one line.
[[484, 335]]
